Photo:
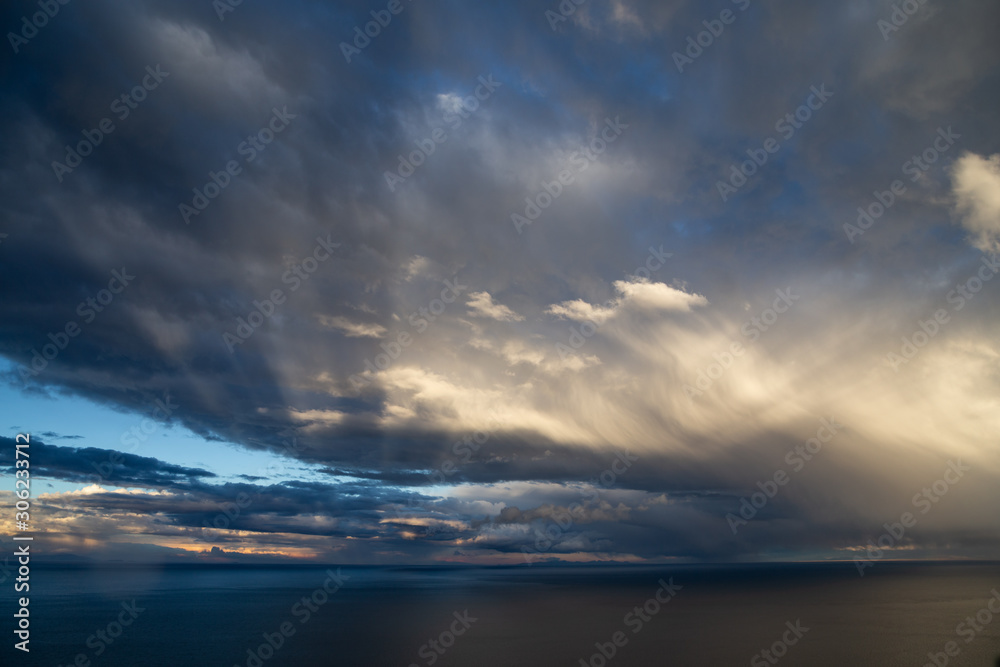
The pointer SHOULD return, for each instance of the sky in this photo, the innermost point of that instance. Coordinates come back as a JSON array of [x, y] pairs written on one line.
[[502, 282]]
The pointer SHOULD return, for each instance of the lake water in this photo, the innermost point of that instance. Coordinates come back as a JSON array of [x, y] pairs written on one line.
[[893, 616]]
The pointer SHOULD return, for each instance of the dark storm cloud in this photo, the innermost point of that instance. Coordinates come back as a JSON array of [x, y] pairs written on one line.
[[91, 464], [55, 436]]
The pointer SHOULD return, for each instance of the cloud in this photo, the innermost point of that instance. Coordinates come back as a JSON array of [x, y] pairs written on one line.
[[106, 466], [509, 416], [976, 187], [581, 311], [657, 296], [352, 329], [637, 293], [415, 267], [481, 305]]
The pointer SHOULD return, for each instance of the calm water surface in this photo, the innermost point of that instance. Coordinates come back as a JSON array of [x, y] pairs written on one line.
[[892, 617]]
